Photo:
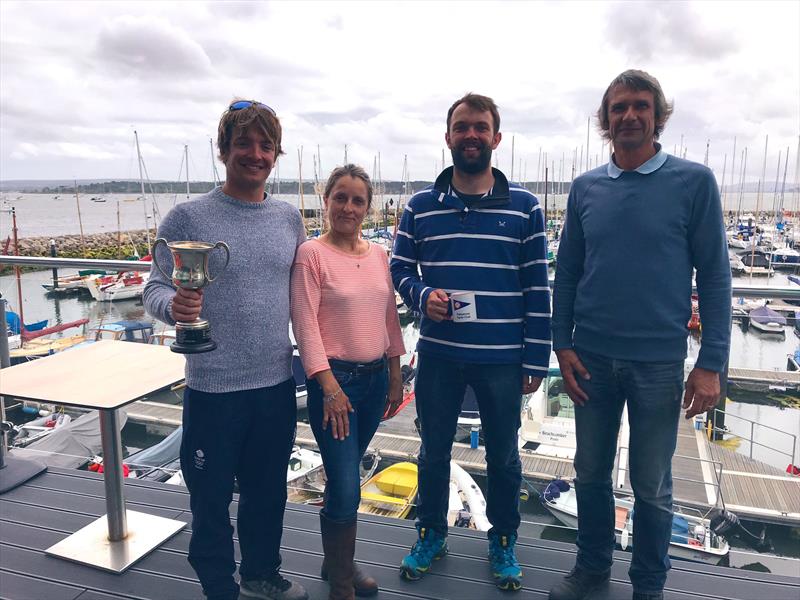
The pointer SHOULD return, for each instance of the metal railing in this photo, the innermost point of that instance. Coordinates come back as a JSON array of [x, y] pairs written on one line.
[[716, 485], [741, 291], [752, 441], [75, 263]]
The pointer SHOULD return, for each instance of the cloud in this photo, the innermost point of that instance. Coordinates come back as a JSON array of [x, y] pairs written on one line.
[[646, 31], [148, 48], [60, 150], [362, 113]]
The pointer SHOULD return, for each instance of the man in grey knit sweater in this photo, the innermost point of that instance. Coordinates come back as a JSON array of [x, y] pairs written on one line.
[[239, 408]]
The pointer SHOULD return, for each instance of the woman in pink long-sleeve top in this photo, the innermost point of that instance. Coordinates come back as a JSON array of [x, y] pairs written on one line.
[[345, 321]]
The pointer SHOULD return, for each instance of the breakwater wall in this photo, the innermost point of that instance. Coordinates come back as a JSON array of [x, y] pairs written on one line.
[[111, 245], [72, 246]]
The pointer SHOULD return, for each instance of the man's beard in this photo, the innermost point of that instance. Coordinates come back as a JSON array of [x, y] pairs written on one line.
[[472, 165]]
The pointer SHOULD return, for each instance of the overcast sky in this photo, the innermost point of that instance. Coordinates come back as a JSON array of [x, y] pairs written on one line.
[[77, 78]]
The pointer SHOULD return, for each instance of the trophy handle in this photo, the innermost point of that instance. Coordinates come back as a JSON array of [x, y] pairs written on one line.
[[224, 246], [153, 254]]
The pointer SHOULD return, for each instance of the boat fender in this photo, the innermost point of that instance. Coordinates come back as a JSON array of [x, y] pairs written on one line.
[[554, 489], [624, 539], [30, 410], [43, 412]]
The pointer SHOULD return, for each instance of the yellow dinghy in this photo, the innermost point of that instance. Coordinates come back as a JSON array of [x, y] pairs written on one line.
[[391, 492], [44, 346]]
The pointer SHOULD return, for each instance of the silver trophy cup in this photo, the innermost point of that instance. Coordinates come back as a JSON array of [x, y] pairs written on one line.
[[190, 271]]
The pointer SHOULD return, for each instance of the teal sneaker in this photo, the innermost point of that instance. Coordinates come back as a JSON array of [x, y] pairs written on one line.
[[431, 545], [505, 567]]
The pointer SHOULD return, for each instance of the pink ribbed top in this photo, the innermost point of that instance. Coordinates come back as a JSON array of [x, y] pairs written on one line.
[[343, 306]]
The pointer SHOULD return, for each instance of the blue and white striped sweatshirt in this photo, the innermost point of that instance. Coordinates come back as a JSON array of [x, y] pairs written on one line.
[[496, 248]]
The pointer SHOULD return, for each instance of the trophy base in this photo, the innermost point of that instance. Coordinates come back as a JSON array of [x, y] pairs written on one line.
[[193, 348], [193, 338]]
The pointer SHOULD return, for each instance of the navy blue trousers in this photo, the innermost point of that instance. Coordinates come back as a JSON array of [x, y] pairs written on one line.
[[653, 392], [440, 391], [246, 435], [342, 458]]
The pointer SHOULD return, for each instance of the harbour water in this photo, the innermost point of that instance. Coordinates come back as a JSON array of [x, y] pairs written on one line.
[[749, 349], [52, 215]]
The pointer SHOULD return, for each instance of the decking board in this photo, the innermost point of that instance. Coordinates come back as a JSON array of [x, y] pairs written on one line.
[[59, 502]]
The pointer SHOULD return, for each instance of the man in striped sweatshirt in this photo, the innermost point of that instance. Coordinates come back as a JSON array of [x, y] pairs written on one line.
[[474, 232]]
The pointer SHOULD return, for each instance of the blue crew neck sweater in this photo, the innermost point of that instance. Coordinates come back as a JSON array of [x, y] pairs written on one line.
[[625, 261]]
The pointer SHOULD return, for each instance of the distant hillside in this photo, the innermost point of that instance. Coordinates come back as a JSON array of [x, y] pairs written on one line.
[[766, 188], [131, 186]]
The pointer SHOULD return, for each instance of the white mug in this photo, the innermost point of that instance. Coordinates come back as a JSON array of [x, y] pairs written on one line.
[[462, 307]]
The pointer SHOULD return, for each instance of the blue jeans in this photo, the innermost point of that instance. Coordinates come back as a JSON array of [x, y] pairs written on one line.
[[246, 435], [342, 458], [653, 392], [439, 393]]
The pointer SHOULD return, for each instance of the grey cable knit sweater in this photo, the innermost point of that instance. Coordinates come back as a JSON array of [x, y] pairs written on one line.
[[248, 306]]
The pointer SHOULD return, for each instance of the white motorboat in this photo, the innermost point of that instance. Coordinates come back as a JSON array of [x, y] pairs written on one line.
[[786, 258], [301, 462], [125, 286], [466, 505], [692, 536], [737, 266]]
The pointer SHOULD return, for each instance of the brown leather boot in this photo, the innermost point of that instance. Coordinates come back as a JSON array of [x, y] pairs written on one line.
[[363, 583], [339, 545]]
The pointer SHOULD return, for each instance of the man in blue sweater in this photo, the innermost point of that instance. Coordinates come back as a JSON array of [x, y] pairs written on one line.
[[635, 231], [473, 232], [239, 407]]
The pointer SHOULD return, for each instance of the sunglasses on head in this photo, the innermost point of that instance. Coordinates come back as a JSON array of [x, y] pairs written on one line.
[[242, 104]]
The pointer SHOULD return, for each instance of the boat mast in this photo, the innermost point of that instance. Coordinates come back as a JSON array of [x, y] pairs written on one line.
[[214, 173], [119, 232], [796, 193], [80, 221], [17, 272], [300, 185], [733, 162], [186, 159], [775, 190], [783, 184], [758, 207], [722, 185], [512, 159], [141, 184], [588, 123]]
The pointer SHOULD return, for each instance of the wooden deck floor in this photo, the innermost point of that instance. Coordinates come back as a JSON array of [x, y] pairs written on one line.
[[752, 489], [57, 503]]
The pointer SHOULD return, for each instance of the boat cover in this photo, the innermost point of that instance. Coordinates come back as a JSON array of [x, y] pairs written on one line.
[[164, 452], [71, 445], [764, 315], [680, 529]]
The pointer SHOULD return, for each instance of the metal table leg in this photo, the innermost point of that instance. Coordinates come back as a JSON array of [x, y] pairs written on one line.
[[113, 475], [120, 538]]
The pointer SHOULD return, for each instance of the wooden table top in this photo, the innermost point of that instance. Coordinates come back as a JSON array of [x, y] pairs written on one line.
[[106, 374]]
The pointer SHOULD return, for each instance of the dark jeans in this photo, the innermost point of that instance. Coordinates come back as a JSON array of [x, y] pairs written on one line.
[[342, 458], [247, 435], [653, 393], [439, 393]]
